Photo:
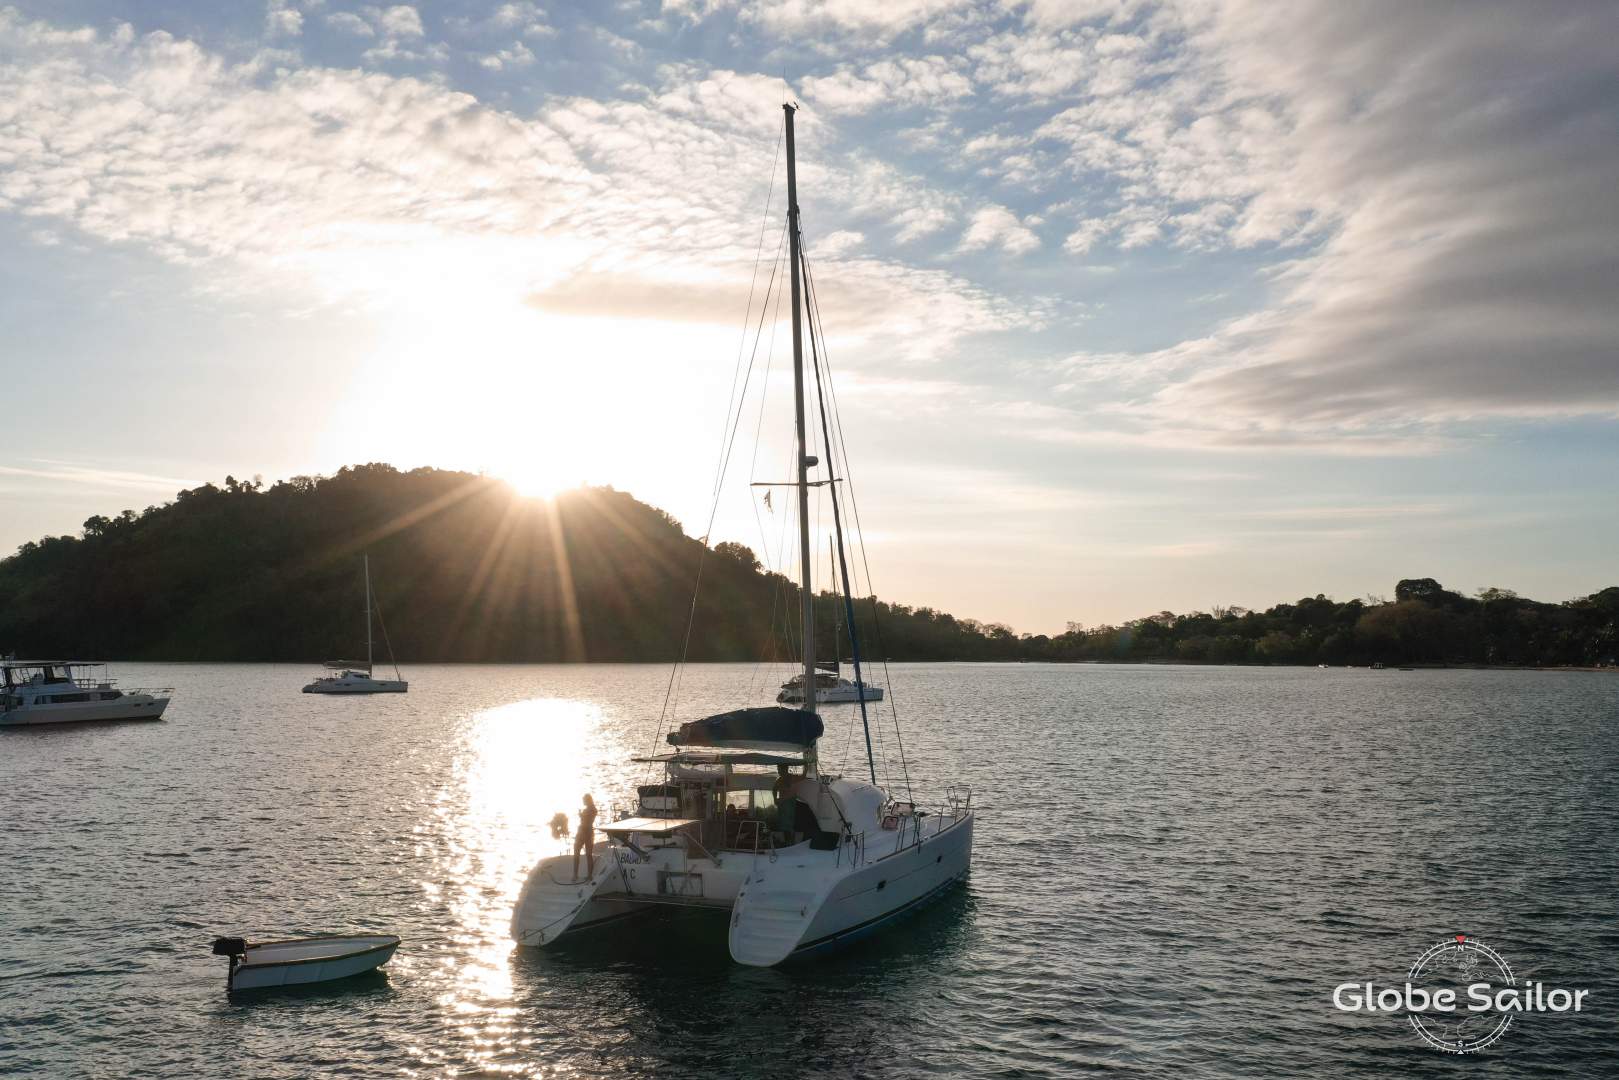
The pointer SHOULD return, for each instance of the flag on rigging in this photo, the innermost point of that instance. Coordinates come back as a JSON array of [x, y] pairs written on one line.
[[767, 503]]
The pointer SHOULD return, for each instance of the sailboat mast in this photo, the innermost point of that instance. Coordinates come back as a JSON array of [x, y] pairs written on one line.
[[837, 629], [367, 560], [804, 460]]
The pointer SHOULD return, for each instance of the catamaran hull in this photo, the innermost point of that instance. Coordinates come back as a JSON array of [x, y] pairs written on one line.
[[837, 696], [831, 695], [130, 707], [379, 686], [895, 886], [552, 903], [787, 910]]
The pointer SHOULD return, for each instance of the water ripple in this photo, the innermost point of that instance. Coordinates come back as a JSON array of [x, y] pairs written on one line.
[[1174, 867]]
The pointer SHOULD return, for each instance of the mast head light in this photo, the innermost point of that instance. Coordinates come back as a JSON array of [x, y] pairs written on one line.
[[810, 461]]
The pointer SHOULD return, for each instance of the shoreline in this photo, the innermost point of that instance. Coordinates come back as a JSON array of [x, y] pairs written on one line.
[[1608, 669]]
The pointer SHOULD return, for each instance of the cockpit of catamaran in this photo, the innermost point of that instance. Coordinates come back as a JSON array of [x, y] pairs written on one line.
[[739, 809]]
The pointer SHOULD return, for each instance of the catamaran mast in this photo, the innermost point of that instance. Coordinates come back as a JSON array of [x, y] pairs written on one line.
[[367, 560], [804, 460], [841, 563]]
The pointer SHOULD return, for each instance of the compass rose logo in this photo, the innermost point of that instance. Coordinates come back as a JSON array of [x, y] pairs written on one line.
[[1460, 996], [1456, 965]]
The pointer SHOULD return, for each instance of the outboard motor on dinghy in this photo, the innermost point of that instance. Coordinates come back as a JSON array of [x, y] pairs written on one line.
[[233, 947]]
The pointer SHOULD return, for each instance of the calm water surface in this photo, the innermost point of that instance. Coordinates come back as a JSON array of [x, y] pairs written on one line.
[[1174, 867]]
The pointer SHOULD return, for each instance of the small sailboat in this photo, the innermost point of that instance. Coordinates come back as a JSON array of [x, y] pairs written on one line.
[[744, 820], [354, 677], [300, 961]]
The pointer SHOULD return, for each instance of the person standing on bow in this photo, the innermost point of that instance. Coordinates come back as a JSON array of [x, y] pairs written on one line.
[[586, 838]]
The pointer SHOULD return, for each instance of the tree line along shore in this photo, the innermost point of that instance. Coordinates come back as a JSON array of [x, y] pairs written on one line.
[[466, 570]]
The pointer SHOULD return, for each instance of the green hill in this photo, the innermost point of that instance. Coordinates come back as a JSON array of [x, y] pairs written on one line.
[[466, 570]]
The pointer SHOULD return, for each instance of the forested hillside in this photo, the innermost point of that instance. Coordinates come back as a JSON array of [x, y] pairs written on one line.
[[466, 570]]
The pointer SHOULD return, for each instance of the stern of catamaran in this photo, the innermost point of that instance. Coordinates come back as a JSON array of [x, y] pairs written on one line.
[[743, 821], [691, 836]]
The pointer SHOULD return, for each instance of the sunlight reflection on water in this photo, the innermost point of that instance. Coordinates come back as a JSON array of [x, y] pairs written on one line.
[[515, 766]]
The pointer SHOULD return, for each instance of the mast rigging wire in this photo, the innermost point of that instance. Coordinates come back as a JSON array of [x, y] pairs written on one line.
[[671, 691], [814, 308]]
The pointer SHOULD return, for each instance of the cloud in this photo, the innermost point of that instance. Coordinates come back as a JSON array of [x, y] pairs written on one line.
[[892, 83], [1085, 236], [1425, 197], [918, 222], [282, 20], [282, 171], [1045, 65], [349, 23], [915, 314], [523, 20], [998, 227], [517, 55], [526, 18], [399, 20], [798, 17], [361, 186], [1476, 256], [398, 28], [840, 242], [1061, 14], [1432, 196]]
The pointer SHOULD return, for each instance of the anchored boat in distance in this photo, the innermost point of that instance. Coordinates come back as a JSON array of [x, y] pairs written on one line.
[[744, 819], [72, 691], [830, 688], [355, 677]]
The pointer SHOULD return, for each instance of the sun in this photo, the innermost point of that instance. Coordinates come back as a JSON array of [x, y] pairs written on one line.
[[537, 480]]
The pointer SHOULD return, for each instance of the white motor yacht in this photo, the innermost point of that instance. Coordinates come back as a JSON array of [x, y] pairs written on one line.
[[69, 691], [353, 676], [744, 820]]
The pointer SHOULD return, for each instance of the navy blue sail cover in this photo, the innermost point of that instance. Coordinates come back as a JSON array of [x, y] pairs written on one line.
[[767, 726]]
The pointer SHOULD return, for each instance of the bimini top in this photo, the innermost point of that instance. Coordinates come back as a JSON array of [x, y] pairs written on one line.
[[767, 728]]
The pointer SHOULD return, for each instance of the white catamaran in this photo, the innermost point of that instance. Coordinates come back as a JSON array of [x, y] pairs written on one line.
[[355, 677], [744, 820], [831, 688]]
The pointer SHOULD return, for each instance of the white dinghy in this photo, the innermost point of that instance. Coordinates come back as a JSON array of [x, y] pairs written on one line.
[[256, 965]]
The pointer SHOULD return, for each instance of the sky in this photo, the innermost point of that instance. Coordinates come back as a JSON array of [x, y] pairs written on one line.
[[1131, 306]]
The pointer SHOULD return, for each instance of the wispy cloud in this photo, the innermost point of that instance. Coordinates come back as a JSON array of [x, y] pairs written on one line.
[[94, 476], [361, 185]]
